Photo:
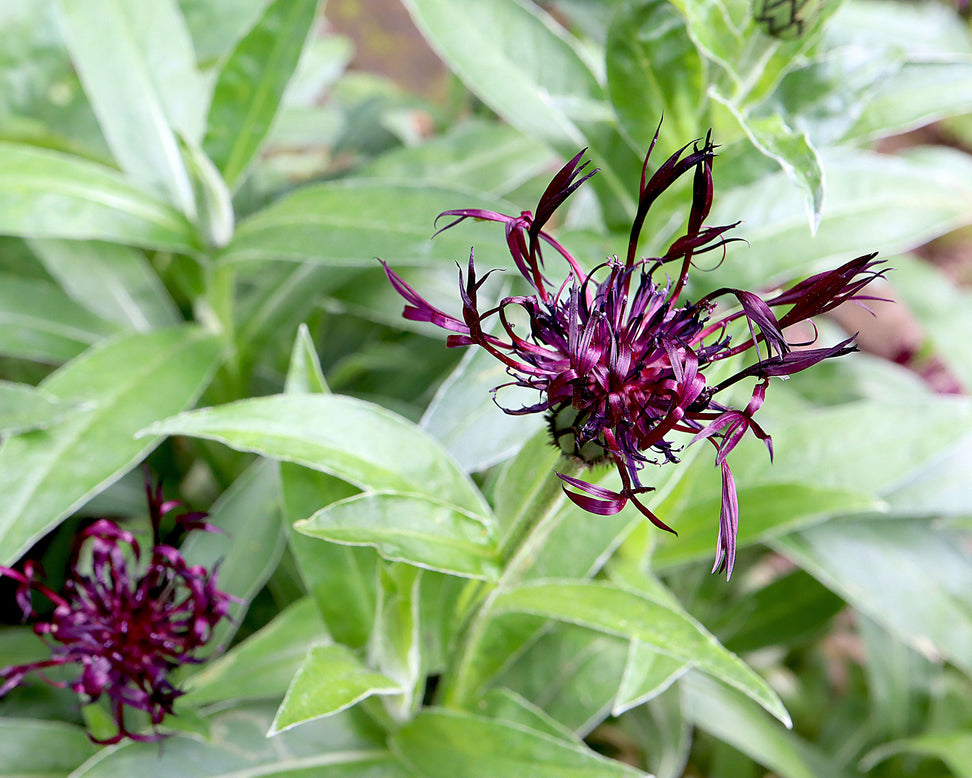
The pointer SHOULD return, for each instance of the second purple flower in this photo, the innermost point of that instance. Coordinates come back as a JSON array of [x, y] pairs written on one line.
[[619, 358]]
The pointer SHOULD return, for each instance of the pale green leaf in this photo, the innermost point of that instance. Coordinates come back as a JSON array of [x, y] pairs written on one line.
[[30, 748], [47, 194], [136, 62], [129, 383], [402, 527], [445, 744], [627, 614], [263, 665], [330, 679], [251, 84], [113, 281], [24, 407], [355, 440]]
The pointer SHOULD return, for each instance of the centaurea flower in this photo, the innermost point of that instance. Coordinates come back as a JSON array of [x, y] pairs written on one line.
[[618, 358], [128, 625]]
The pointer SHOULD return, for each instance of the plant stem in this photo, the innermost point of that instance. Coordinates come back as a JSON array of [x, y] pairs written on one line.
[[519, 551]]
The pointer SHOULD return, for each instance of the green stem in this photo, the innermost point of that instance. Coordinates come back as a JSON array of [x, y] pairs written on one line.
[[520, 548]]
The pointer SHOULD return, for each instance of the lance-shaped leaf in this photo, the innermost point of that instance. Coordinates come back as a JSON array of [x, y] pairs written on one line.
[[658, 624], [47, 194], [135, 98], [23, 407], [355, 440], [251, 84], [406, 528], [128, 383], [330, 679], [444, 744]]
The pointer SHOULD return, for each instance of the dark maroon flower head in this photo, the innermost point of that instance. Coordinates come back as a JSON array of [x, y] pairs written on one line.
[[619, 360], [126, 622]]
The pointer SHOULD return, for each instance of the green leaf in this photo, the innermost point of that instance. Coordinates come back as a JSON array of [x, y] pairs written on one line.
[[214, 201], [734, 719], [354, 440], [351, 222], [953, 748], [264, 664], [506, 705], [249, 548], [647, 674], [874, 203], [129, 382], [217, 25], [328, 567], [765, 511], [47, 194], [396, 645], [463, 416], [251, 84], [910, 578], [518, 60], [571, 674], [654, 70], [404, 528], [23, 407], [330, 679], [483, 156], [112, 281], [38, 321], [790, 149], [29, 747], [136, 61], [444, 744], [624, 613], [943, 309], [237, 747], [304, 376], [852, 447]]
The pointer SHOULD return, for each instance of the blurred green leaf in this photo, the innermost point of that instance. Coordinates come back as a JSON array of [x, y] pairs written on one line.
[[248, 549], [765, 511], [138, 69], [263, 665], [624, 613], [113, 281], [789, 148], [304, 376], [355, 440], [352, 222], [129, 382], [38, 321], [444, 744], [238, 748], [30, 747], [942, 307], [953, 748], [482, 156], [789, 611], [251, 83], [330, 679], [214, 202], [734, 719], [24, 407], [47, 194], [912, 579], [216, 25], [406, 528], [464, 417], [518, 60], [874, 203], [655, 71]]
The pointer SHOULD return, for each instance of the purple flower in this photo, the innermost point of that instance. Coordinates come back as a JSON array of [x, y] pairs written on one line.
[[125, 623], [619, 359]]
